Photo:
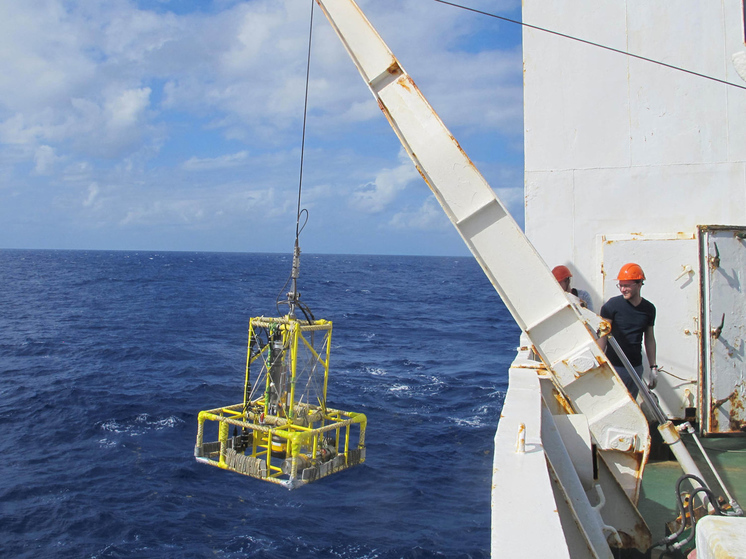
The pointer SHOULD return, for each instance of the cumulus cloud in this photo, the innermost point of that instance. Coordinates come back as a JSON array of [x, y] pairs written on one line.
[[126, 101], [126, 108], [225, 203], [377, 195], [42, 55], [87, 68], [429, 216], [45, 160]]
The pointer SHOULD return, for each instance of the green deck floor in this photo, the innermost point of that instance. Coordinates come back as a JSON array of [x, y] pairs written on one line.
[[657, 499]]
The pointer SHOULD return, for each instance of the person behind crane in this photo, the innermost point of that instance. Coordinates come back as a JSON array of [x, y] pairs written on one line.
[[563, 274], [632, 320]]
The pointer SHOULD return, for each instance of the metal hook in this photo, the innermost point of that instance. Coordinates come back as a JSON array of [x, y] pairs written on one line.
[[715, 260], [686, 270], [717, 331]]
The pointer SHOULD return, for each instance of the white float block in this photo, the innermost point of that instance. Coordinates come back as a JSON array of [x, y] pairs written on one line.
[[721, 537]]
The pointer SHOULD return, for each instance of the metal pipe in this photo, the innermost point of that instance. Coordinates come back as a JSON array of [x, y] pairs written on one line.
[[644, 390], [672, 438], [667, 429]]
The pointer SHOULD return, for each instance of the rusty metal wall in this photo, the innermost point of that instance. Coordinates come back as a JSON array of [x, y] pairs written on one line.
[[723, 275]]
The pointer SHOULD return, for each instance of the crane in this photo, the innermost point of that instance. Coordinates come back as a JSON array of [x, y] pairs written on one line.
[[561, 334]]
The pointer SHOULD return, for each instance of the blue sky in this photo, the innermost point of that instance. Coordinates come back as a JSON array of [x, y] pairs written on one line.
[[176, 125]]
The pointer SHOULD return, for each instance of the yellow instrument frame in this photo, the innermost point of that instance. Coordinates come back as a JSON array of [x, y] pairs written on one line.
[[298, 430]]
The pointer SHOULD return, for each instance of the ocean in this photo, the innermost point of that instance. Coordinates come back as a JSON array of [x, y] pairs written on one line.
[[106, 358]]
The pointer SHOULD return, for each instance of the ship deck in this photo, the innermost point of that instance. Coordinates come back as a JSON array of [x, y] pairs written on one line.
[[657, 498]]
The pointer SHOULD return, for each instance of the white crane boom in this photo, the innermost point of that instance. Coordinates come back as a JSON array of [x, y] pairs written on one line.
[[562, 336]]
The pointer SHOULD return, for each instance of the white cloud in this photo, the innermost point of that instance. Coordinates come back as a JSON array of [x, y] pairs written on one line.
[[45, 160], [316, 193], [109, 127], [122, 105], [77, 172], [383, 190], [361, 111], [429, 216], [126, 108], [15, 130], [159, 212], [212, 163], [224, 203], [246, 62], [493, 94], [61, 83], [42, 55], [512, 199], [93, 192]]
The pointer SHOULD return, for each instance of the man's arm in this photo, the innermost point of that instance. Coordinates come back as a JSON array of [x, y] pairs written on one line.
[[650, 347]]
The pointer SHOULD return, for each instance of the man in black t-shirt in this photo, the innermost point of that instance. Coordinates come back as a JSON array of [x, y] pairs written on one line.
[[632, 320]]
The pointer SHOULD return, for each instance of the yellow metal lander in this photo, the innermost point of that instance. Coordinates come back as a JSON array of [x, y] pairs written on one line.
[[283, 432]]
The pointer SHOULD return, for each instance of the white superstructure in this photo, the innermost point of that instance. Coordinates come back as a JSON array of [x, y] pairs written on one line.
[[626, 159]]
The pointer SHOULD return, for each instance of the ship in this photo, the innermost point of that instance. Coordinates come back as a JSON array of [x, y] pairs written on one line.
[[635, 151]]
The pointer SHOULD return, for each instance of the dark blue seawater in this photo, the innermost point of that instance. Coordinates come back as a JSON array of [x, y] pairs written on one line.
[[107, 357]]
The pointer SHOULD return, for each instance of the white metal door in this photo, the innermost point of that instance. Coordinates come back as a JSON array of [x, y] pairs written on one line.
[[670, 263], [723, 272]]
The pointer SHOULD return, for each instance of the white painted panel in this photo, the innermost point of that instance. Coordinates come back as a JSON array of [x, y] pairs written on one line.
[[555, 249], [567, 124], [520, 476], [677, 117], [736, 98], [671, 267], [576, 438], [644, 200], [660, 200], [668, 151]]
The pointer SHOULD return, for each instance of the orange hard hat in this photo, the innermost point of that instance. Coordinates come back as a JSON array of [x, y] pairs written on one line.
[[631, 272], [561, 273]]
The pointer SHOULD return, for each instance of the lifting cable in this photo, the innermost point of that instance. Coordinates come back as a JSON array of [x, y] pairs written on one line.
[[591, 43], [303, 134], [293, 295]]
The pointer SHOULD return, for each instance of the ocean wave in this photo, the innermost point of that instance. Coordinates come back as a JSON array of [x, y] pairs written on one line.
[[400, 388], [469, 421], [140, 425], [115, 355]]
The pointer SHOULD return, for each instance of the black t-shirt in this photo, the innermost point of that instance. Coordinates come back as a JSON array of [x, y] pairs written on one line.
[[628, 323]]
